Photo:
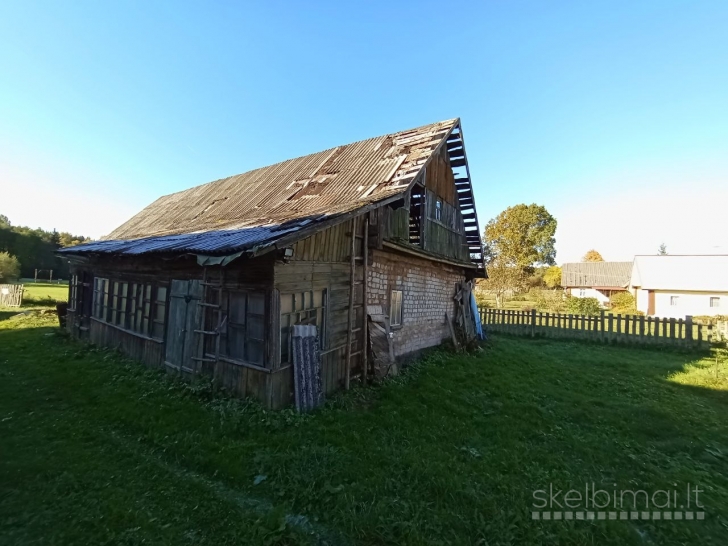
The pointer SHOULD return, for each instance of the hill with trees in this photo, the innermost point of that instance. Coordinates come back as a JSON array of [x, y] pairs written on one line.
[[35, 248]]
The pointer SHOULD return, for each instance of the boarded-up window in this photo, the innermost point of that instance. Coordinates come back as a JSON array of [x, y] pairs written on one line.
[[100, 287], [395, 308], [136, 307], [73, 301], [243, 335], [307, 307]]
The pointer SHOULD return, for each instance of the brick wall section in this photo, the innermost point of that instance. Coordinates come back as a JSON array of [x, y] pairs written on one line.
[[427, 294]]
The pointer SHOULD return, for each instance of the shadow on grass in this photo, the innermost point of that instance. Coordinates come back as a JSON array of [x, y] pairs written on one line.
[[6, 314]]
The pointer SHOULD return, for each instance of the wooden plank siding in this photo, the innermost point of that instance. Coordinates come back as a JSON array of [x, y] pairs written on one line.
[[319, 262], [330, 272], [444, 236]]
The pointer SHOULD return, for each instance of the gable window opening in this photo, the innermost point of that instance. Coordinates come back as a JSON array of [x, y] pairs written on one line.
[[306, 308], [714, 302], [416, 206], [674, 300], [395, 308], [242, 332], [136, 307]]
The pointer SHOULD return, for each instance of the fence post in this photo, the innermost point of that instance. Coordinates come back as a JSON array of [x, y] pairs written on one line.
[[533, 323], [689, 330]]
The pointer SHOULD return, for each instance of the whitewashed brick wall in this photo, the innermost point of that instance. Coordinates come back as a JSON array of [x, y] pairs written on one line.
[[427, 294]]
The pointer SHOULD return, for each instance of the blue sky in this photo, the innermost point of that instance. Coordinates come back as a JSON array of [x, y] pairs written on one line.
[[614, 115]]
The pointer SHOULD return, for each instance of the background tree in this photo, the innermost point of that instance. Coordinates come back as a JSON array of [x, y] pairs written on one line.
[[516, 241], [9, 267], [502, 279], [35, 248], [662, 250], [552, 277], [592, 256]]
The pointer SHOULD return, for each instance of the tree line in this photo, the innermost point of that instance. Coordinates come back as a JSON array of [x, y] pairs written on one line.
[[24, 249]]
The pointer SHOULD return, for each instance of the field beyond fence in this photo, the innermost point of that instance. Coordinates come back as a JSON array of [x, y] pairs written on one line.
[[605, 328]]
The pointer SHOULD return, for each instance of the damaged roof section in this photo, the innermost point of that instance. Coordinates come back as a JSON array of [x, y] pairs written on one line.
[[257, 208]]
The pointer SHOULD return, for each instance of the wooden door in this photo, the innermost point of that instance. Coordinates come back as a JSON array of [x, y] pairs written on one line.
[[650, 302], [182, 323]]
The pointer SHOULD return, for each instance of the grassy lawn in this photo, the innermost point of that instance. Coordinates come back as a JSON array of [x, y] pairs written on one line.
[[37, 295], [97, 450], [44, 293]]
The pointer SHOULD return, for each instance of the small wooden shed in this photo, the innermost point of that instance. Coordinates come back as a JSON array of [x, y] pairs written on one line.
[[367, 241]]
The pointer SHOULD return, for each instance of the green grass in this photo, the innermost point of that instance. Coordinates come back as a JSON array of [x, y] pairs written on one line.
[[38, 295], [96, 449], [44, 293]]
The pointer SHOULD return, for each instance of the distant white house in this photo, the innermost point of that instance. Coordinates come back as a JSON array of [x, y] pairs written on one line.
[[677, 286], [595, 279]]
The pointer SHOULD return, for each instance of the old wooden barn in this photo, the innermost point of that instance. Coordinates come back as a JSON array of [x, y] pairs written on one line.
[[211, 280]]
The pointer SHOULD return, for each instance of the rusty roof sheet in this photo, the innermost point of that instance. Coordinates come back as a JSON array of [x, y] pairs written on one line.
[[249, 209]]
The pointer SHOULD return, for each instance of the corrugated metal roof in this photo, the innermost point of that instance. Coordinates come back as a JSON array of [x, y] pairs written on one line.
[[596, 274], [706, 273], [246, 210]]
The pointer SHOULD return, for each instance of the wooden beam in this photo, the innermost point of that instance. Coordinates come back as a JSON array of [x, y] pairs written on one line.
[[426, 256], [365, 326], [352, 280]]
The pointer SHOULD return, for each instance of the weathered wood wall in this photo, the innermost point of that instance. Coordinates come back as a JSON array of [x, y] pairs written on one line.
[[253, 275], [443, 235], [440, 180], [319, 262], [329, 271], [144, 349]]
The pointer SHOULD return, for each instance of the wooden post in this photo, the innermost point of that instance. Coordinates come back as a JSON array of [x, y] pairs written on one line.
[[602, 337], [610, 328], [35, 277], [364, 285], [533, 323], [619, 325], [352, 286], [672, 330], [689, 330]]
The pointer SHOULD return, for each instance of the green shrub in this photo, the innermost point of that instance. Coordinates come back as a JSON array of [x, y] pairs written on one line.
[[583, 306], [9, 267], [482, 300], [623, 303], [551, 301]]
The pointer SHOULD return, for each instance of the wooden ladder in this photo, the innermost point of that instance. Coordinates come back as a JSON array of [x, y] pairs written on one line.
[[353, 305], [204, 307]]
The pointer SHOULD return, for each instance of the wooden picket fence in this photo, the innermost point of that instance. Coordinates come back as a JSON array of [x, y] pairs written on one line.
[[11, 295], [605, 328]]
